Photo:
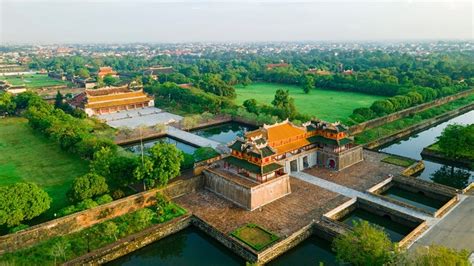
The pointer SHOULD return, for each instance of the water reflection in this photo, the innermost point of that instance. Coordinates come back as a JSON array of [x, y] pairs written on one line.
[[451, 176], [186, 148], [412, 147], [224, 133], [187, 247]]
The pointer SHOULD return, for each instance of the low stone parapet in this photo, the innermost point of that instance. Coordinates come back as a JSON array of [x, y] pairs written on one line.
[[132, 243]]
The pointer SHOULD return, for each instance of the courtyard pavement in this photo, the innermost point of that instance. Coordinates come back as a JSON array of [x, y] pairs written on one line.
[[455, 230], [148, 116], [285, 216], [352, 193]]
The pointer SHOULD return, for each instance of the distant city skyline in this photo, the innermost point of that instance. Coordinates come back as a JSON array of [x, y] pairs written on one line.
[[115, 21]]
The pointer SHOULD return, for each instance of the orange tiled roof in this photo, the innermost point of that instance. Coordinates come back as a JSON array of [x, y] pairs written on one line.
[[283, 131], [119, 102], [292, 146], [116, 96]]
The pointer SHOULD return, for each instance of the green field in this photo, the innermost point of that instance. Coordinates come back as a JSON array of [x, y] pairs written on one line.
[[34, 80], [324, 104], [26, 156]]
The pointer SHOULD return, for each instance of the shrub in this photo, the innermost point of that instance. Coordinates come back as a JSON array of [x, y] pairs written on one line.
[[118, 194], [104, 199], [88, 186], [18, 228]]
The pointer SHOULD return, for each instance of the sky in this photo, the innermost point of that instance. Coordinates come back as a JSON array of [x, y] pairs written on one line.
[[160, 21]]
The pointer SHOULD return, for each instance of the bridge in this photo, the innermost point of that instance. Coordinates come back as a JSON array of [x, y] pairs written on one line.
[[194, 139]]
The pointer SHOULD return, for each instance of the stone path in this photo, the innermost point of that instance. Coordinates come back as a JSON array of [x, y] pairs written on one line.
[[455, 230], [192, 138], [352, 193]]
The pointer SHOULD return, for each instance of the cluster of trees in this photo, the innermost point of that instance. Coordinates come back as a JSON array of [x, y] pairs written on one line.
[[71, 133], [414, 96], [366, 244], [282, 107], [457, 141], [189, 100], [20, 202]]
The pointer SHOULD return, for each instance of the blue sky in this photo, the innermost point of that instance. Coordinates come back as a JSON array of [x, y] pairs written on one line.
[[55, 21]]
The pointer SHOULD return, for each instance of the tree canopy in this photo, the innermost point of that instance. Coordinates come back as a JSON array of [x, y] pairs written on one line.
[[20, 202], [365, 244]]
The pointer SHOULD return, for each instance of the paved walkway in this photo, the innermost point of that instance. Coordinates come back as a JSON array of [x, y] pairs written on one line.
[[192, 138], [455, 230], [352, 193]]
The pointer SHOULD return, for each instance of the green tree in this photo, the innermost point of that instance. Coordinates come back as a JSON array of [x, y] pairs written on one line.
[[108, 230], [284, 103], [59, 100], [435, 255], [455, 139], [251, 106], [20, 202], [166, 160], [308, 83], [82, 72], [109, 80], [88, 186], [101, 161], [7, 103], [364, 245]]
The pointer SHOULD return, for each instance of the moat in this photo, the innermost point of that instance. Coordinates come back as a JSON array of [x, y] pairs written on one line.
[[442, 173]]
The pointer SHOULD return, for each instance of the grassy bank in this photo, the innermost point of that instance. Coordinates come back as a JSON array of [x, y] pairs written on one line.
[[395, 126], [324, 104], [67, 247], [26, 156]]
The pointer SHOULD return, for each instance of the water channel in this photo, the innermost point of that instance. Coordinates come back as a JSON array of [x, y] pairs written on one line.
[[395, 231], [187, 247], [415, 199], [443, 173]]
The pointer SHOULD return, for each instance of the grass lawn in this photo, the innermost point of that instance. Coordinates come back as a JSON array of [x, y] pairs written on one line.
[[254, 236], [26, 156], [397, 160], [324, 104], [34, 80]]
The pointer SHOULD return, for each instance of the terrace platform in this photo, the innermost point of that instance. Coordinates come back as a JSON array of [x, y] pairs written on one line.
[[360, 176], [285, 216], [148, 116]]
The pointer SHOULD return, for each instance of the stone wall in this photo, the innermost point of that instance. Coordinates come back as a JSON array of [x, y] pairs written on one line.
[[286, 244], [414, 169], [132, 243], [400, 114], [240, 249], [418, 127], [80, 220], [249, 198]]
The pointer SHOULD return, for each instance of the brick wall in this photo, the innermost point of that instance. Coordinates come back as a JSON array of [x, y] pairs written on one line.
[[80, 220]]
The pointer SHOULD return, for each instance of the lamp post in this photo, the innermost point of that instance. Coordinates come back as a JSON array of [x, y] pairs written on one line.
[[88, 246]]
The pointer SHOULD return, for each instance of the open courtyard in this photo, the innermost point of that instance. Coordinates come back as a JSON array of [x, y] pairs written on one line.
[[33, 81], [26, 156], [324, 104]]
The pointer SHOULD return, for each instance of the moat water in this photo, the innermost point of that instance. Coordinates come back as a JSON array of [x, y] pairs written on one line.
[[395, 230], [224, 133], [415, 199], [186, 148], [312, 251], [443, 173], [187, 247]]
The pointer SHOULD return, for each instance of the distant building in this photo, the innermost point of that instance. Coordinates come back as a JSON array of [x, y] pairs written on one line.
[[156, 71], [110, 100], [281, 64], [319, 72], [104, 71]]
